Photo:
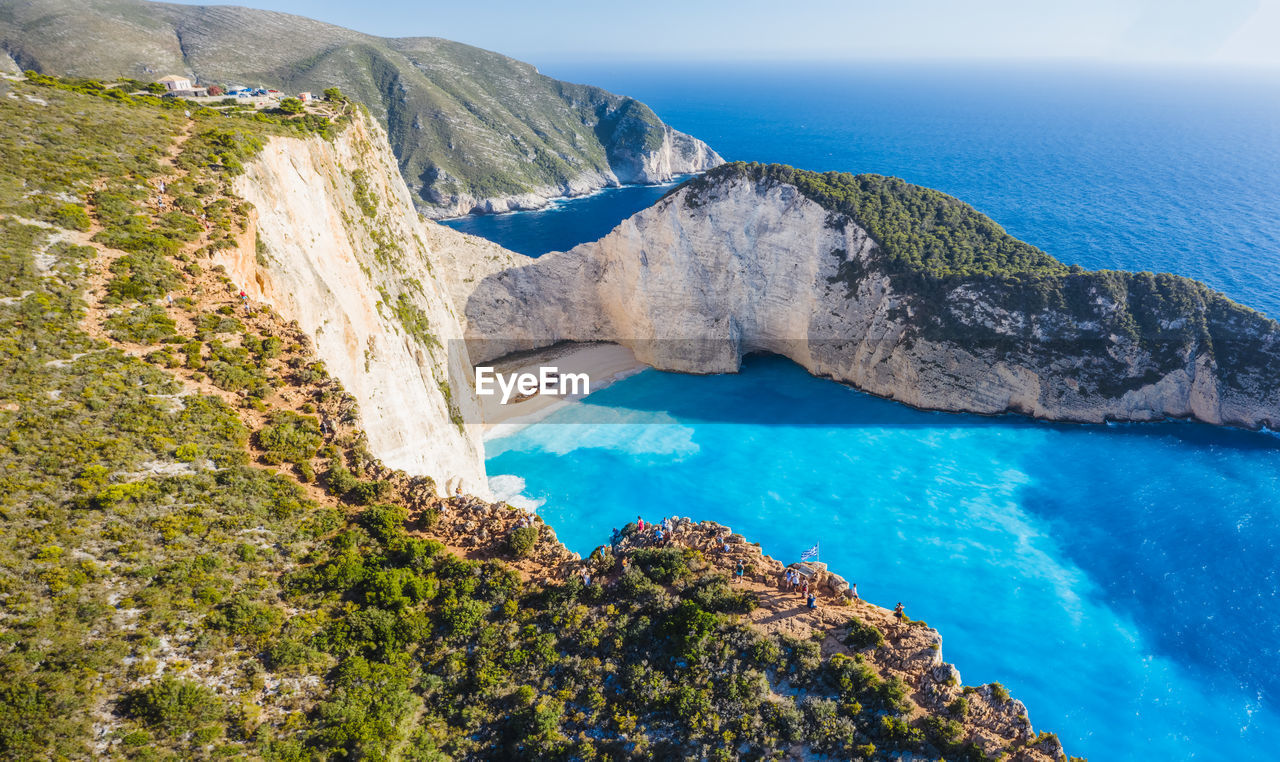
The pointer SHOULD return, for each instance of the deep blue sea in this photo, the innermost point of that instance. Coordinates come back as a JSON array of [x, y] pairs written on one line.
[[1121, 580]]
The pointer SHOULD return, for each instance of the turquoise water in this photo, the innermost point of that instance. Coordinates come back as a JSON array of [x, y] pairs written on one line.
[[1121, 580]]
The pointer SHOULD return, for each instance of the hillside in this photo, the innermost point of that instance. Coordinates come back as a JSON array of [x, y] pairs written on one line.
[[201, 557], [899, 290], [472, 130]]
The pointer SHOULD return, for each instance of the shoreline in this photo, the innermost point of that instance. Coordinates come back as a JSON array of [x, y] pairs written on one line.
[[604, 363]]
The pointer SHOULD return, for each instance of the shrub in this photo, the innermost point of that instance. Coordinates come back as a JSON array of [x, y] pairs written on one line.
[[292, 106], [663, 565], [290, 438], [71, 216], [339, 479], [384, 522], [941, 731], [172, 704], [689, 626], [998, 693], [142, 325], [462, 617], [521, 541], [862, 635], [242, 616], [368, 492]]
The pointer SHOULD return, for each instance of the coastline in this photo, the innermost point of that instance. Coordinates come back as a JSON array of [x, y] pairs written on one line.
[[603, 363]]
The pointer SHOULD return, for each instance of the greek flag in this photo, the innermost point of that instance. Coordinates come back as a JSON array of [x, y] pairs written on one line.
[[811, 554]]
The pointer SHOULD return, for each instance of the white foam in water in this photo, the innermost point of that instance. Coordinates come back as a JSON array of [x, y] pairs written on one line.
[[509, 488]]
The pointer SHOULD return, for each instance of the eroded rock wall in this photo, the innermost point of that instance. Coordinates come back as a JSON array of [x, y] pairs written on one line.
[[342, 251]]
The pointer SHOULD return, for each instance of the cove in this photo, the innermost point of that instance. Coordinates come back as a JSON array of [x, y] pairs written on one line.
[[1119, 580], [564, 223]]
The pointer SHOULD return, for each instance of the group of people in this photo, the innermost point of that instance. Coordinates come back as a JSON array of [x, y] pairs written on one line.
[[657, 533], [798, 582]]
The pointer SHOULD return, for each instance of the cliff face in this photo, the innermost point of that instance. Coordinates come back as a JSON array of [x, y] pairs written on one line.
[[472, 130], [740, 261], [343, 252]]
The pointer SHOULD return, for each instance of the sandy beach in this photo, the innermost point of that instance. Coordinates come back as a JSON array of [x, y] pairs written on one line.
[[603, 364]]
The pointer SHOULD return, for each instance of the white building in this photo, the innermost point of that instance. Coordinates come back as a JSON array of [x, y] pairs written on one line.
[[175, 83]]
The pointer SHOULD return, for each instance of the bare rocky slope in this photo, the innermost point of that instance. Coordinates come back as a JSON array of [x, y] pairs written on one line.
[[898, 290], [472, 130]]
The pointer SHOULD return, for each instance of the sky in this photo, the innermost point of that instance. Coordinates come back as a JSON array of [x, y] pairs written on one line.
[[1238, 32]]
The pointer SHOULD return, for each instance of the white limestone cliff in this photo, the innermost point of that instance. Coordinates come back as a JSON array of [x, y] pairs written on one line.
[[344, 253], [693, 284]]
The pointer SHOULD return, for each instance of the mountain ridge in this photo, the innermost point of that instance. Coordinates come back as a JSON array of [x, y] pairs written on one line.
[[473, 130]]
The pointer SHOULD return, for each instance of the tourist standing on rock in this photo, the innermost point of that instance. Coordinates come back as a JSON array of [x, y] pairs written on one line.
[[899, 612], [614, 538], [813, 601], [853, 591], [639, 523], [740, 570]]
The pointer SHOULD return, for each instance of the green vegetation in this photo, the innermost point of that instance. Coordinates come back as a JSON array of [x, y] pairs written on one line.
[[290, 438], [142, 325], [410, 317], [862, 635], [654, 666], [919, 229], [364, 198], [939, 251], [521, 541], [130, 549]]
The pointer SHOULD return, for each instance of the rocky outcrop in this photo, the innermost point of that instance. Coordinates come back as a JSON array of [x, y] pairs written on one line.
[[341, 251], [740, 261]]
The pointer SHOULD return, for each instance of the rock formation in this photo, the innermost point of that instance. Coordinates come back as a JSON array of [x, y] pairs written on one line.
[[341, 250], [897, 290]]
